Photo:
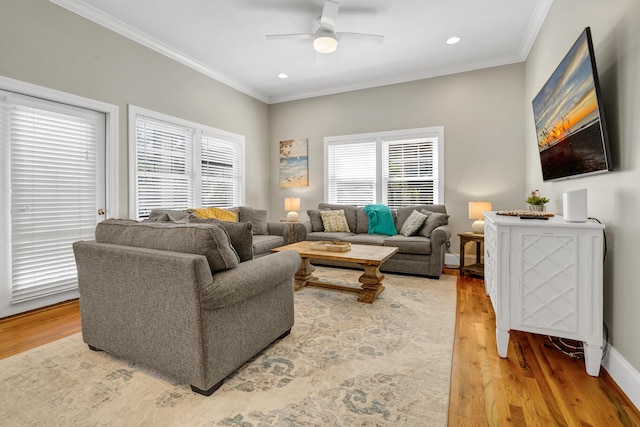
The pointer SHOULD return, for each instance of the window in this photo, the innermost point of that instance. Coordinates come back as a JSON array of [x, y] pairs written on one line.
[[396, 168], [53, 185], [179, 164]]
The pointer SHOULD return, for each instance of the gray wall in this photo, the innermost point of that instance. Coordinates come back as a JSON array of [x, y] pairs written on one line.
[[44, 44], [613, 198], [483, 120]]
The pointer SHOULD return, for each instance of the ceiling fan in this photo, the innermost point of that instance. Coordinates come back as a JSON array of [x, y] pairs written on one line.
[[325, 39]]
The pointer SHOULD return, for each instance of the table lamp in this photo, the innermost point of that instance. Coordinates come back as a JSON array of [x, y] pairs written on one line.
[[292, 204], [475, 212]]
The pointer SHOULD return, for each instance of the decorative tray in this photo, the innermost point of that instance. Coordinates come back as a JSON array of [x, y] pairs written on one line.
[[336, 246], [524, 214]]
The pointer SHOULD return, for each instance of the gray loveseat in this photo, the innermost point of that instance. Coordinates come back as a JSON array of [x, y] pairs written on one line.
[[263, 235], [419, 254], [176, 298]]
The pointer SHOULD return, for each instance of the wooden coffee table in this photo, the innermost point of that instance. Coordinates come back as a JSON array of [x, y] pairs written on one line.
[[369, 257]]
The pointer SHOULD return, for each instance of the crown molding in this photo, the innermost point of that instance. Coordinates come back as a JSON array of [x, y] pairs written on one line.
[[535, 24], [405, 78], [91, 13]]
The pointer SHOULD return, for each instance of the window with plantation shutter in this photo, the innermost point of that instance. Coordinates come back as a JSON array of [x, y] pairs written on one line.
[[180, 164], [51, 155], [397, 168]]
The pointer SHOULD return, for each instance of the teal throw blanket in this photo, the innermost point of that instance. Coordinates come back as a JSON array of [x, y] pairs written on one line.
[[380, 220]]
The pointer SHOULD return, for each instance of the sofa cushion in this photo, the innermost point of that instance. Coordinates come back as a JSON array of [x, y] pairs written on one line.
[[240, 235], [334, 221], [350, 212], [418, 245], [413, 223], [380, 219], [362, 221], [324, 236], [257, 217], [367, 239], [209, 240], [264, 243], [435, 219], [316, 219]]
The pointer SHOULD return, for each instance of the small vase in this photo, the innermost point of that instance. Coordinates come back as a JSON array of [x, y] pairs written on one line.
[[537, 208]]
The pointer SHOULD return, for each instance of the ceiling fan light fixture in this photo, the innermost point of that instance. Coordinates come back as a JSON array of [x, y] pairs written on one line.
[[325, 42], [453, 40]]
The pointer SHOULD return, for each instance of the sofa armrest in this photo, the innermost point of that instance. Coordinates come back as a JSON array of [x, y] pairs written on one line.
[[250, 278], [440, 235], [278, 229]]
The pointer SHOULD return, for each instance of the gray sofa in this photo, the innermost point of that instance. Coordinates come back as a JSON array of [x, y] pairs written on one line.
[[176, 298], [420, 254], [263, 235]]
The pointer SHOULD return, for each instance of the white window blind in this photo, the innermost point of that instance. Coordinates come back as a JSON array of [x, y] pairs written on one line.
[[410, 171], [180, 164], [352, 173], [164, 174], [397, 168], [221, 172], [53, 195]]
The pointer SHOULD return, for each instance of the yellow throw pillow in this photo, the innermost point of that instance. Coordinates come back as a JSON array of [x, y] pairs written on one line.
[[217, 213], [334, 221]]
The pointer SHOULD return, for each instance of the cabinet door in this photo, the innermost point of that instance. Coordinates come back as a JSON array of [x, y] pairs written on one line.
[[545, 282]]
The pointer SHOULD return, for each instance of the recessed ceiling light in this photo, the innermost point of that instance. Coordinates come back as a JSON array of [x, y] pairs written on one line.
[[283, 75], [453, 40]]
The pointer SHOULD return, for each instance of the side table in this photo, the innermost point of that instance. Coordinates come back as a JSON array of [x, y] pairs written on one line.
[[294, 236], [478, 267]]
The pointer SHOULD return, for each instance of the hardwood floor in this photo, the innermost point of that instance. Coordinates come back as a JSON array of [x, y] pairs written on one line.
[[35, 328], [536, 385]]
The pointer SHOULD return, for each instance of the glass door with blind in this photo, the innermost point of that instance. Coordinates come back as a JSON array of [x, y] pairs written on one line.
[[53, 193]]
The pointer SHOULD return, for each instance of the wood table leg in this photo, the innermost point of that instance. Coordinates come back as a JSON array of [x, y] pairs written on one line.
[[303, 274], [372, 285]]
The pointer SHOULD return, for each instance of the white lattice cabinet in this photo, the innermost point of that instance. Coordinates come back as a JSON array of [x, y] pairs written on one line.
[[545, 277]]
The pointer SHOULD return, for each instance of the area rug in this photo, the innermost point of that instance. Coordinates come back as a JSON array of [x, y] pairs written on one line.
[[344, 364]]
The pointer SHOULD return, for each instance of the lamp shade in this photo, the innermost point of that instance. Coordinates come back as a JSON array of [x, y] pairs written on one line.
[[475, 212], [291, 204], [476, 209]]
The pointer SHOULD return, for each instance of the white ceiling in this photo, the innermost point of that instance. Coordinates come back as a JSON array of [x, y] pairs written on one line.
[[225, 39]]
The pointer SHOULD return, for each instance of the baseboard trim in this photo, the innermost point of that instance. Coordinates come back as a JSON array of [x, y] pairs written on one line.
[[625, 375], [451, 260]]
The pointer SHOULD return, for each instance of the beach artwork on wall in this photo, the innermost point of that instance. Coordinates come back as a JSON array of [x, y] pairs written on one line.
[[294, 167]]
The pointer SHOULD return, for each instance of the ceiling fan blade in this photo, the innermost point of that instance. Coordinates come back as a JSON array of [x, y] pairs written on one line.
[[329, 15], [289, 36], [360, 36]]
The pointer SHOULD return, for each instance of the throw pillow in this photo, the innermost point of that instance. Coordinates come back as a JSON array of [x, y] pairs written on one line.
[[217, 213], [209, 240], [413, 223], [174, 214], [167, 217], [257, 217], [240, 235], [436, 219], [316, 219], [334, 221], [380, 220]]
